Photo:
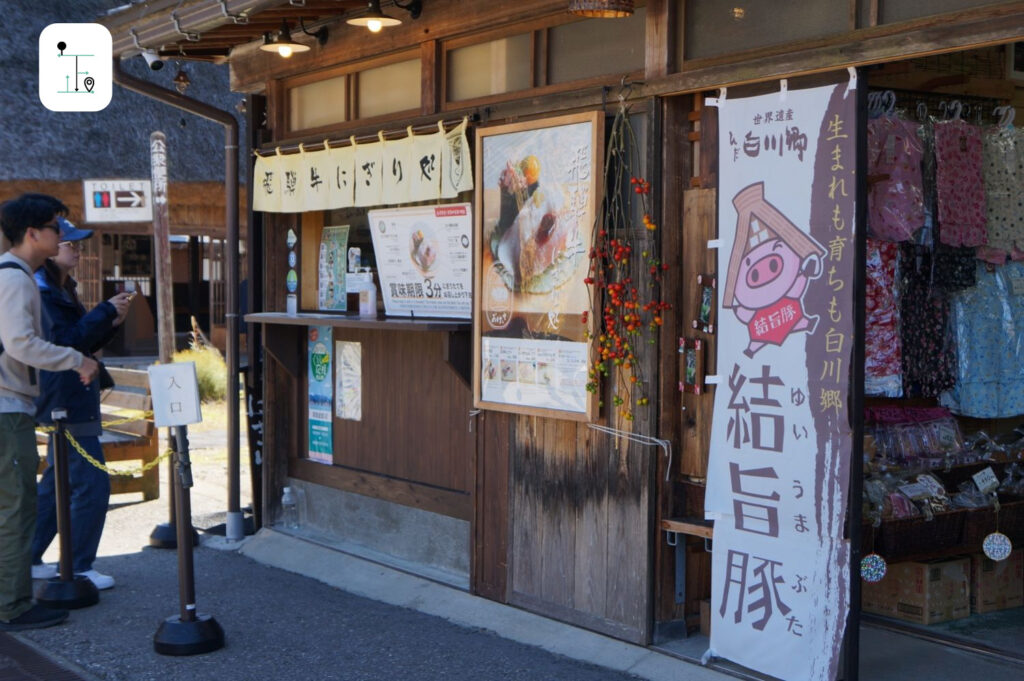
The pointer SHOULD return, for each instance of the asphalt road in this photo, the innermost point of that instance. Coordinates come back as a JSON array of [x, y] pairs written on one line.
[[278, 625]]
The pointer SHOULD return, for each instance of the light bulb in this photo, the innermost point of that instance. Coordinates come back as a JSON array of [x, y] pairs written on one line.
[[284, 50], [374, 25]]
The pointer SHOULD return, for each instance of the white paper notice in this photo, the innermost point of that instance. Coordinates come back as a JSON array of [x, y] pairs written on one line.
[[425, 260]]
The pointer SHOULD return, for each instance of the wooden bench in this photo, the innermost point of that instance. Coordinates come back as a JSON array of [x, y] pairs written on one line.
[[136, 441]]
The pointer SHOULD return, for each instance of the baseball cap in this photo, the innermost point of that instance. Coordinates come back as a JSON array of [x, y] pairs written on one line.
[[68, 231]]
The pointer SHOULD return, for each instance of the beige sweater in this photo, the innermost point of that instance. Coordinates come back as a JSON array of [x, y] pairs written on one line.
[[20, 332]]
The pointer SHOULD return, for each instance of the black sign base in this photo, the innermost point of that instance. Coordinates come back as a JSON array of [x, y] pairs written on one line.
[[177, 637], [165, 536], [69, 594]]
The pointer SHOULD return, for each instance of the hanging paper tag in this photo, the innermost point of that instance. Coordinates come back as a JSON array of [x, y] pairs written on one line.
[[1017, 285], [986, 480]]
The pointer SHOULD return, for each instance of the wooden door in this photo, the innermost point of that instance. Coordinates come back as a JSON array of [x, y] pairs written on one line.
[[580, 539]]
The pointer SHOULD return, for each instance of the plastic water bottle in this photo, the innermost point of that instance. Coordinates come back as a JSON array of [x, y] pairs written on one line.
[[289, 509]]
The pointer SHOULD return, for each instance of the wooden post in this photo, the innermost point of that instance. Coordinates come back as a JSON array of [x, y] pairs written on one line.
[[162, 247], [164, 298]]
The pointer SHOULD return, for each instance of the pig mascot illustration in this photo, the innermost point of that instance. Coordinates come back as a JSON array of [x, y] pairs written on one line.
[[769, 268]]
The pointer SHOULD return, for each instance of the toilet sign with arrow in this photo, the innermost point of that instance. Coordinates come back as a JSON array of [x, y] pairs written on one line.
[[118, 200]]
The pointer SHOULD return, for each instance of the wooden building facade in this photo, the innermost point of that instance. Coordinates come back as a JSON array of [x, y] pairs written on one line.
[[559, 518]]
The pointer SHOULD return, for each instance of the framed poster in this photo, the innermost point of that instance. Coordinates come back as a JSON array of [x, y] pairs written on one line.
[[537, 192]]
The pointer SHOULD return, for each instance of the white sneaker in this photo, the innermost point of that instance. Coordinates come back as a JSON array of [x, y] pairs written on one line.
[[100, 581], [44, 571]]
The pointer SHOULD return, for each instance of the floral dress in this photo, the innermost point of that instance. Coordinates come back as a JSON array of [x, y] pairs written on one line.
[[895, 192], [958, 180], [882, 347], [929, 355]]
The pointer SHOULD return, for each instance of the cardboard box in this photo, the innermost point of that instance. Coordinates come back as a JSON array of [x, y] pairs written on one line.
[[925, 593], [705, 617], [997, 585]]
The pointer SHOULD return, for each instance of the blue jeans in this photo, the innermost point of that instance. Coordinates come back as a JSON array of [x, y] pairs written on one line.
[[90, 495]]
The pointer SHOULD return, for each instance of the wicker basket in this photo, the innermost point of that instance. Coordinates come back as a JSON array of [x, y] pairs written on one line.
[[914, 537], [981, 522]]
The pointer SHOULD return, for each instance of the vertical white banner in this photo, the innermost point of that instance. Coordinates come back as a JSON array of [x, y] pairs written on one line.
[[266, 185], [368, 178], [290, 167], [316, 186], [781, 436], [425, 172], [341, 168], [457, 169], [396, 170]]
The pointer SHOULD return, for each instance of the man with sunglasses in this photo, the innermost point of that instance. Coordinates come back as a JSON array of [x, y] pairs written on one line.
[[30, 224]]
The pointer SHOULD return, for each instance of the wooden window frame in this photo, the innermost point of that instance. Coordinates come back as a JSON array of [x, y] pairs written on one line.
[[539, 71], [351, 72]]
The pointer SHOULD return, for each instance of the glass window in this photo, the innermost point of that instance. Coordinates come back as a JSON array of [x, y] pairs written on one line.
[[489, 68], [596, 47], [318, 104], [387, 89], [714, 28]]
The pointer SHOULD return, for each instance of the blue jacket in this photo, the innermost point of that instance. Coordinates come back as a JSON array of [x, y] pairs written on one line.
[[65, 322]]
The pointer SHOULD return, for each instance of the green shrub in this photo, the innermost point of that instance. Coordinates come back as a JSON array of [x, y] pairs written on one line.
[[211, 371]]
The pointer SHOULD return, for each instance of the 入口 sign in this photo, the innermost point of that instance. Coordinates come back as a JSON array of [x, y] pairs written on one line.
[[118, 200], [175, 391]]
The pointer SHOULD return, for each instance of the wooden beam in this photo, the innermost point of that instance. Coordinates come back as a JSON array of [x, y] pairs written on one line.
[[659, 31], [954, 32], [430, 62], [450, 503]]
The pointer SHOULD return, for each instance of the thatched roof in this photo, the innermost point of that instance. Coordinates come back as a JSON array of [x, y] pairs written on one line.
[[38, 144]]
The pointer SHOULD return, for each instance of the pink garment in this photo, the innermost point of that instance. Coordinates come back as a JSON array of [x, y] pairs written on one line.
[[883, 349], [895, 203], [958, 180]]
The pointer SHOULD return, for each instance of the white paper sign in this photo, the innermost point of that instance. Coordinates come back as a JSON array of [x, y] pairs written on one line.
[[348, 380], [175, 391], [425, 260]]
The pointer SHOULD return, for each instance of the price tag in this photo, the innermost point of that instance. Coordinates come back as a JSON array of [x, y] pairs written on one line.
[[986, 480], [1017, 285], [915, 490]]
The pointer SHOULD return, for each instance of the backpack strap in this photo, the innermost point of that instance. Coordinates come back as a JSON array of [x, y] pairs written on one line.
[[6, 266]]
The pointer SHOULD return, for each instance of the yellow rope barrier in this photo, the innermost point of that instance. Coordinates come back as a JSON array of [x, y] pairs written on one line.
[[103, 467]]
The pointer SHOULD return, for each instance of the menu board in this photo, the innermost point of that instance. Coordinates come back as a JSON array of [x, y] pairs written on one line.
[[425, 260]]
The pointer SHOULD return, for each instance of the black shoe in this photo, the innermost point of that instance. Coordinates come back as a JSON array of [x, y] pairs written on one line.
[[36, 617]]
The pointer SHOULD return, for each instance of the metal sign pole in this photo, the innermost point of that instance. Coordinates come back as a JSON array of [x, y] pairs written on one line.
[[69, 590], [188, 633]]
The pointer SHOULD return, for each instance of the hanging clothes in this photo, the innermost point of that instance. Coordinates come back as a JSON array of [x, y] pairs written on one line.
[[1003, 151], [988, 324], [929, 354], [882, 347], [959, 184], [895, 190]]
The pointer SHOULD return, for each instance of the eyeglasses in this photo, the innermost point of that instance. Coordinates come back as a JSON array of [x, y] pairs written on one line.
[[73, 245], [51, 225]]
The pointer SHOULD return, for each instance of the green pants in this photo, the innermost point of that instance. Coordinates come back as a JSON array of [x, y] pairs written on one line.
[[18, 463]]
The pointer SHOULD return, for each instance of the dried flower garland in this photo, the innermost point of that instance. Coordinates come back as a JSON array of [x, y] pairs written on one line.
[[625, 299]]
